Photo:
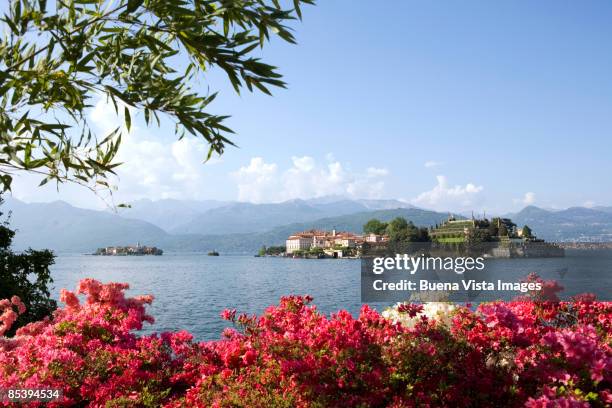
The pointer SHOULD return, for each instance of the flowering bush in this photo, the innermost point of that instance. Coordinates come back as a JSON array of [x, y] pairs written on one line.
[[521, 353]]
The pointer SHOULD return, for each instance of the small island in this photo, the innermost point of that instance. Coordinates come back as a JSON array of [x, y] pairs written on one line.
[[129, 250], [494, 238]]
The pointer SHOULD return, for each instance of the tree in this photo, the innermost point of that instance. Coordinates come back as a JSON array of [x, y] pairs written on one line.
[[375, 226], [526, 232], [397, 225], [493, 228], [423, 235], [27, 276], [316, 251], [478, 236], [402, 231], [143, 56]]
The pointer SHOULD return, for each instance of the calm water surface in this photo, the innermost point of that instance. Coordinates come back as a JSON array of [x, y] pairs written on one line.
[[192, 289]]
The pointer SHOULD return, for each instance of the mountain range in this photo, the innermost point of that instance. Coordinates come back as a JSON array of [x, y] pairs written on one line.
[[217, 217], [571, 224], [231, 227]]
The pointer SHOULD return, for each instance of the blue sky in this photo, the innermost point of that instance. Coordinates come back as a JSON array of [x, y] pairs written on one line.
[[508, 103]]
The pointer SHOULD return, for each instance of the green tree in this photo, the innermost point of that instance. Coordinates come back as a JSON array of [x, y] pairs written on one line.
[[375, 226], [493, 228], [276, 250], [397, 225], [478, 236], [402, 234], [526, 232], [422, 235], [144, 56], [317, 251], [400, 230], [27, 276]]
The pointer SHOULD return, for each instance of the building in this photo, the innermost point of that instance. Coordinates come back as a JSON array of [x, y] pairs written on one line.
[[129, 250], [299, 242], [330, 241], [375, 238]]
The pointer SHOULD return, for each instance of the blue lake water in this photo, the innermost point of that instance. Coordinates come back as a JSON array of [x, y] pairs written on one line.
[[192, 289]]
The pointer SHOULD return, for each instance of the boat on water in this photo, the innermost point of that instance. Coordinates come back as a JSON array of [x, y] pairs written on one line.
[[213, 253]]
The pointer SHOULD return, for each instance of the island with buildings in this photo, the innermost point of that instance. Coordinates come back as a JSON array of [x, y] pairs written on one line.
[[497, 238], [136, 250], [329, 244]]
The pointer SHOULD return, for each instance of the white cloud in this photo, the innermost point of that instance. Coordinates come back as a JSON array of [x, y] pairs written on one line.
[[589, 204], [377, 172], [528, 199], [258, 181], [152, 166], [444, 197], [306, 178], [431, 164]]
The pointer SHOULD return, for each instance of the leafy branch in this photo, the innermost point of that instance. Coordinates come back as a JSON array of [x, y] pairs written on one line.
[[144, 56]]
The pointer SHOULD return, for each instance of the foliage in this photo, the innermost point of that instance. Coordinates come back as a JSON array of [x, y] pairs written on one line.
[[272, 250], [501, 227], [478, 236], [520, 353], [317, 251], [526, 232], [144, 56], [401, 232], [502, 230], [27, 276], [375, 226]]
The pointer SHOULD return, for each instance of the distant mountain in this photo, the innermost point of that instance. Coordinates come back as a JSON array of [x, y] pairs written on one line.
[[366, 204], [62, 227], [384, 204], [248, 217], [355, 222], [212, 217], [250, 243], [169, 214], [243, 228], [572, 224], [603, 209]]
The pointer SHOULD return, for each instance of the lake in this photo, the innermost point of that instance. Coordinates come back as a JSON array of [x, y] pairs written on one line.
[[192, 289]]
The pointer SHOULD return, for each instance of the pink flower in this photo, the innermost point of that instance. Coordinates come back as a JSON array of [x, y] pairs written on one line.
[[518, 353]]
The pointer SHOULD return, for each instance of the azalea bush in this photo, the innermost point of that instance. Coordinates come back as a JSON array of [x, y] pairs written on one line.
[[534, 353]]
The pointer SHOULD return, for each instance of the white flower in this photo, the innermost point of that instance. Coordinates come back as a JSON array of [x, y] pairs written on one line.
[[441, 312]]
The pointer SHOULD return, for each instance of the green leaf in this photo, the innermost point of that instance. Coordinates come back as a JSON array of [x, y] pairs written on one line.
[[133, 5], [128, 118], [57, 61]]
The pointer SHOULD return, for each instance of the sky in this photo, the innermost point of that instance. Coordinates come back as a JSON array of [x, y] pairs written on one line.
[[452, 106]]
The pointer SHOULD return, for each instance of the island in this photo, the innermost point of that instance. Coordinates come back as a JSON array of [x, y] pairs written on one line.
[[495, 238], [137, 250]]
